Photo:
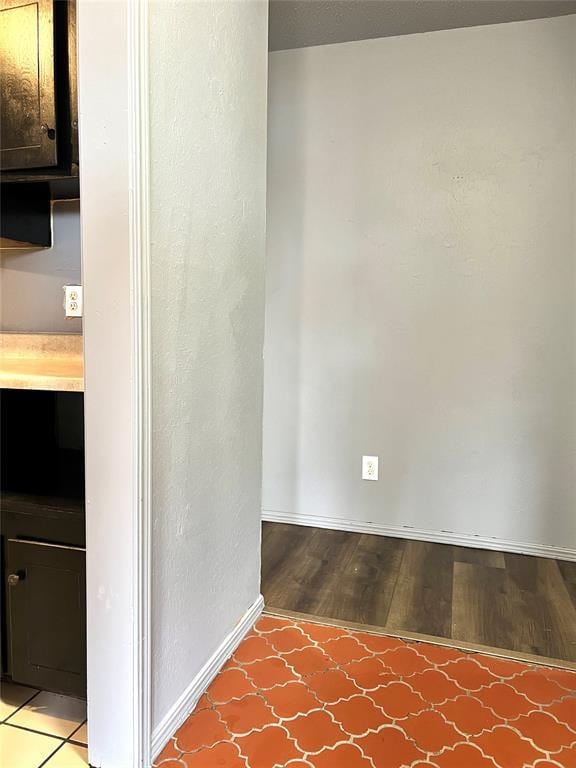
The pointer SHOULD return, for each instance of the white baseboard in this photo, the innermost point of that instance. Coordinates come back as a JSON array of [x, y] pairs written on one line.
[[188, 700], [419, 534]]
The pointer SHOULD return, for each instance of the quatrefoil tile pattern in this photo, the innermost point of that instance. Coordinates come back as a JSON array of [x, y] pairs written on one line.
[[303, 695]]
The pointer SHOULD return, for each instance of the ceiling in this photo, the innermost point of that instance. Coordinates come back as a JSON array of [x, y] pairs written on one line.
[[301, 23]]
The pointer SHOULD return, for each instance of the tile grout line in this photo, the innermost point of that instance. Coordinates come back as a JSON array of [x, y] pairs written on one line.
[[31, 730], [39, 733], [83, 722], [33, 696], [63, 739], [70, 739], [51, 755], [51, 735]]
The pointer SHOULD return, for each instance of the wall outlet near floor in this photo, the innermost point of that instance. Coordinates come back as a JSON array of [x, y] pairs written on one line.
[[73, 300], [369, 467]]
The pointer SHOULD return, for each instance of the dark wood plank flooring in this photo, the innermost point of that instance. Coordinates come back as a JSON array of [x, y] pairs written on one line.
[[514, 602]]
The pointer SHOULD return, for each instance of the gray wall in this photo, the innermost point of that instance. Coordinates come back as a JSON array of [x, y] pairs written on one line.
[[421, 282], [31, 280], [207, 248]]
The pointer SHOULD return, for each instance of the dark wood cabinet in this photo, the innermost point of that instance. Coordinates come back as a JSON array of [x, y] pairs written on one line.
[[43, 540], [39, 120], [38, 116], [46, 586], [72, 81], [27, 85], [44, 622]]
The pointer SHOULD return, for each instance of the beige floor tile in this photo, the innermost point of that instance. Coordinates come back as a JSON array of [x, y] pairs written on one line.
[[81, 734], [51, 713], [69, 756], [22, 749], [13, 696]]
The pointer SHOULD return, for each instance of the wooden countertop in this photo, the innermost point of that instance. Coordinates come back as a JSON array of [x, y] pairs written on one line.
[[42, 361]]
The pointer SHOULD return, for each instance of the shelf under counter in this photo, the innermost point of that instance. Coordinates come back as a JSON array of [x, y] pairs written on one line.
[[43, 361]]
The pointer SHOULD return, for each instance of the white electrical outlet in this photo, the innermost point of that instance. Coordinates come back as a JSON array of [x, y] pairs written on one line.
[[73, 300], [369, 467]]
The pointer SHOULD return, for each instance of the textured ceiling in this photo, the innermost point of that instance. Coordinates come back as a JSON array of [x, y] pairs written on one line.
[[300, 23]]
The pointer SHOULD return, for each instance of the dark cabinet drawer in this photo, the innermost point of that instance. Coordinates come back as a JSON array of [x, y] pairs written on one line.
[[46, 586], [43, 518]]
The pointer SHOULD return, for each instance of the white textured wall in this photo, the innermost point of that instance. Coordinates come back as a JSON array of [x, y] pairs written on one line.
[[208, 70], [421, 281]]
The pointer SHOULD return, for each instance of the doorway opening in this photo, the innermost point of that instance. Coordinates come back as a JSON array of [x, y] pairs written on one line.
[[417, 324]]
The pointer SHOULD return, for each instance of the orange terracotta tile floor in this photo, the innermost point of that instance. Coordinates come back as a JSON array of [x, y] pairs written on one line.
[[303, 695]]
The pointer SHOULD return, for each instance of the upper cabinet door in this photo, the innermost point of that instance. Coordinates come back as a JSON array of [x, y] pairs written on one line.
[[27, 92]]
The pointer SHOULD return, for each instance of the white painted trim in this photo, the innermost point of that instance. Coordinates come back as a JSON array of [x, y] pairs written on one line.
[[138, 114], [189, 698], [419, 534], [114, 215]]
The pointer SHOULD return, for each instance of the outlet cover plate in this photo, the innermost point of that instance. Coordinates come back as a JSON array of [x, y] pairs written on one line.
[[369, 467], [73, 300]]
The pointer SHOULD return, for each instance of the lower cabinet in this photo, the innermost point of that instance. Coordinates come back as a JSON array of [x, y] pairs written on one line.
[[46, 586]]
